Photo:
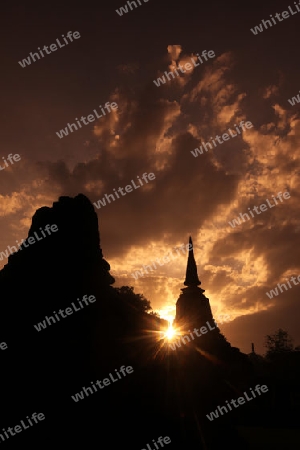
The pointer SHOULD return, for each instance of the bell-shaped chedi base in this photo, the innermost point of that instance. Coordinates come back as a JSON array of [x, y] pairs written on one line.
[[192, 308]]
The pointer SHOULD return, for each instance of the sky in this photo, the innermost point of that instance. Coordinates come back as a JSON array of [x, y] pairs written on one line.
[[154, 130]]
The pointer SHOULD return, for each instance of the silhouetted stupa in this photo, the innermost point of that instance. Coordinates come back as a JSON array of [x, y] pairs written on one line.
[[192, 307], [193, 311]]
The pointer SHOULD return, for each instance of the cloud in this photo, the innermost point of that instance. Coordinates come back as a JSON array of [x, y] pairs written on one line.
[[174, 51], [154, 130]]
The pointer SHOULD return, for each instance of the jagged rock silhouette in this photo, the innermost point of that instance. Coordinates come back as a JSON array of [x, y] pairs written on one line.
[[57, 361], [77, 241]]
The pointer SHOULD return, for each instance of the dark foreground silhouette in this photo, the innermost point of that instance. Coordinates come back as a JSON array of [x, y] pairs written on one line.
[[167, 392]]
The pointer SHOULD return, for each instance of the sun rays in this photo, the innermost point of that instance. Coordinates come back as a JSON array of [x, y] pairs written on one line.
[[170, 333]]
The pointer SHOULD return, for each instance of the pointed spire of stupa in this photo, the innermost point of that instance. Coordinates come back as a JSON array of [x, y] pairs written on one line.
[[191, 277]]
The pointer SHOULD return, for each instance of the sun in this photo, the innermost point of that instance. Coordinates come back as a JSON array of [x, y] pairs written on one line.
[[170, 333]]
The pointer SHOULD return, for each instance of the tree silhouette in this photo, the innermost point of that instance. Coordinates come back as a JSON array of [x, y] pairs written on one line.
[[137, 301], [155, 314], [278, 343]]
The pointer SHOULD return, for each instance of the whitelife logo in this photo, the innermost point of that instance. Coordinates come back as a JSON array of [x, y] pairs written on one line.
[[10, 158], [53, 48], [241, 401], [160, 441], [225, 136], [30, 240], [292, 101], [106, 381], [274, 292], [285, 15], [68, 311], [90, 118], [127, 188], [262, 207], [18, 428], [166, 259], [187, 66], [203, 330], [124, 9]]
